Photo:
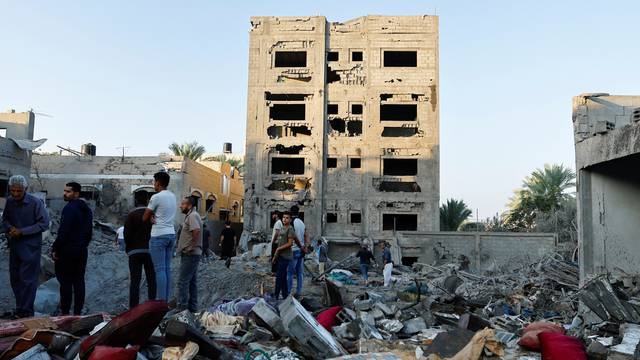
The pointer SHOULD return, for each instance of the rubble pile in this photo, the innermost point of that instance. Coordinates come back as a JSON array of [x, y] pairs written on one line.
[[432, 311]]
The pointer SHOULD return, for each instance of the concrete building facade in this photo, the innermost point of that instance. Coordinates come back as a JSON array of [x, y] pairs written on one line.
[[343, 120], [607, 144]]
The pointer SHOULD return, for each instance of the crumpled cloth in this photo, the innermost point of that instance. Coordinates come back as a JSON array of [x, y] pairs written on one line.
[[189, 351], [218, 322]]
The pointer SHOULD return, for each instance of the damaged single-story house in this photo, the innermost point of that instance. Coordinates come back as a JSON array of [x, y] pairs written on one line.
[[110, 182], [607, 144]]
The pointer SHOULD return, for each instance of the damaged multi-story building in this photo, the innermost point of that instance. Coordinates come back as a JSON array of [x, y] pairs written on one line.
[[607, 144], [16, 145], [343, 120]]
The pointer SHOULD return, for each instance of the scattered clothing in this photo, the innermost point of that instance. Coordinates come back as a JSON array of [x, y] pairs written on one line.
[[30, 216]]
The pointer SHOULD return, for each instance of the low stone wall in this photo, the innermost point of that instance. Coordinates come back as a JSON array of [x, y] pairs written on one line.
[[485, 250]]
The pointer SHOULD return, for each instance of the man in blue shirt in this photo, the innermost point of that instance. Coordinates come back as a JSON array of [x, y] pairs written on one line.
[[23, 220]]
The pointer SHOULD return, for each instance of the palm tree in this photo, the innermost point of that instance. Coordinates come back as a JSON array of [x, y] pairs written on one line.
[[452, 214], [544, 191], [192, 150], [236, 163]]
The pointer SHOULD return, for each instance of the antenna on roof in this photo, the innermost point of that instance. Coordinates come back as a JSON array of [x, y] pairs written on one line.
[[123, 148]]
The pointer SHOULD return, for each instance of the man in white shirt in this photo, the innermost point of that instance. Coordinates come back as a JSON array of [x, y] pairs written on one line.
[[275, 234], [120, 238], [161, 211], [296, 266]]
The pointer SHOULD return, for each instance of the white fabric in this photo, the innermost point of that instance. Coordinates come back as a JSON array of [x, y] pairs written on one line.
[[299, 227], [276, 227], [388, 268], [120, 232], [164, 206]]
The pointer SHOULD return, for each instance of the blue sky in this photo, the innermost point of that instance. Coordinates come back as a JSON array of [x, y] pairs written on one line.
[[146, 73]]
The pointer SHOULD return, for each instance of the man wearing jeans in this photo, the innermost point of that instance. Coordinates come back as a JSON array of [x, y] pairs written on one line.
[[161, 212], [190, 250], [365, 256], [136, 237], [299, 249]]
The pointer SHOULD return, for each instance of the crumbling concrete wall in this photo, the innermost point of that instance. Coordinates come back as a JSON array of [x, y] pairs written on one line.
[[607, 143], [109, 183], [342, 119], [13, 159], [485, 250]]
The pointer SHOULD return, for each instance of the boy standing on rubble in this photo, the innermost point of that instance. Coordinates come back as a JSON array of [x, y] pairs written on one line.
[[283, 255], [161, 212], [275, 235], [136, 238], [387, 262], [190, 250], [69, 251], [23, 221]]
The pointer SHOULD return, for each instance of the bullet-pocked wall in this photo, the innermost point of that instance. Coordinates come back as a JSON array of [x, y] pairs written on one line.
[[342, 120]]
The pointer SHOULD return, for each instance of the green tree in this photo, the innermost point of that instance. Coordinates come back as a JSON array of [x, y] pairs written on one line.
[[545, 191], [236, 163], [452, 214], [192, 150]]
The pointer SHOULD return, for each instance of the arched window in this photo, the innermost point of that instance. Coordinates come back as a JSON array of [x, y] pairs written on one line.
[[210, 203]]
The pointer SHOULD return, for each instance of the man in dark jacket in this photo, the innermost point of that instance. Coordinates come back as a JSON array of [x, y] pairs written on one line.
[[136, 239], [69, 251], [228, 240]]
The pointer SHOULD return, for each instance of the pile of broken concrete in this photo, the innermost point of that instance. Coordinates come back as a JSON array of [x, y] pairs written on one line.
[[432, 311]]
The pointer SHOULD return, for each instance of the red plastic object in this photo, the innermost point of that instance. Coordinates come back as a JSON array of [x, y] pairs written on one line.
[[131, 327], [561, 347], [530, 333], [329, 317], [114, 353]]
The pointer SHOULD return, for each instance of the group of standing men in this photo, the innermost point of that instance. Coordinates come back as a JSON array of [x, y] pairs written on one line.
[[24, 220], [149, 240]]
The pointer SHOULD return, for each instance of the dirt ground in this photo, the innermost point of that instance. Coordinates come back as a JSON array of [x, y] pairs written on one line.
[[107, 279]]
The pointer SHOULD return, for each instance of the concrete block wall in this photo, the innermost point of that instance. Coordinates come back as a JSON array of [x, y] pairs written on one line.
[[607, 144]]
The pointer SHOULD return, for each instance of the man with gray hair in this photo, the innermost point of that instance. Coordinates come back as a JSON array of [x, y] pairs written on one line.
[[23, 221]]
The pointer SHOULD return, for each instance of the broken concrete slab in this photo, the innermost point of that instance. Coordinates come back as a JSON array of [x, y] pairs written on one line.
[[269, 317], [413, 326], [314, 339]]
